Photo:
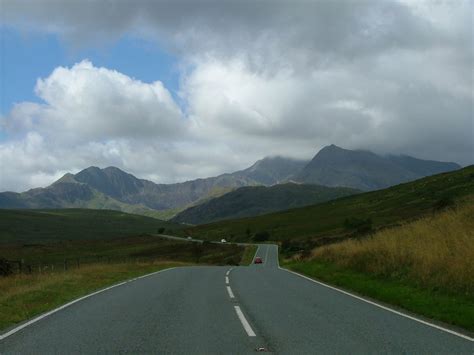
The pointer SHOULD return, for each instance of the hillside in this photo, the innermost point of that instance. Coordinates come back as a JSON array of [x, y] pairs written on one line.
[[364, 170], [384, 207], [40, 226], [258, 200]]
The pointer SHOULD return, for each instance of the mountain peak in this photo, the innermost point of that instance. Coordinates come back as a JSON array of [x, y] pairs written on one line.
[[365, 170]]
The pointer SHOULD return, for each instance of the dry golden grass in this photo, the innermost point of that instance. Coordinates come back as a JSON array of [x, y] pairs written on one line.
[[435, 252]]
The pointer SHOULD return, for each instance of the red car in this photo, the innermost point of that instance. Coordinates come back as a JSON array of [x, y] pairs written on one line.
[[258, 260]]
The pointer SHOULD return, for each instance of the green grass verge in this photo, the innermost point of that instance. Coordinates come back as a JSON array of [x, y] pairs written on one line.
[[248, 255], [25, 296], [457, 310]]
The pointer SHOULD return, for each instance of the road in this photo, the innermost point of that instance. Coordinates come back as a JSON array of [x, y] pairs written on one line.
[[229, 310]]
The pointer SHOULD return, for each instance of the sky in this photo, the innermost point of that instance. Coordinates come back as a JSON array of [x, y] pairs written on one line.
[[175, 90]]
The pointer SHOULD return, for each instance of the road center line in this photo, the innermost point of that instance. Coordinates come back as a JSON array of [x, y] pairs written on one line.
[[229, 291], [244, 322], [266, 255], [226, 280]]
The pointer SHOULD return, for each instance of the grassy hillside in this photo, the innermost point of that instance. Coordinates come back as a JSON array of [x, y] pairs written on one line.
[[258, 200], [40, 226], [346, 215], [436, 251], [424, 266]]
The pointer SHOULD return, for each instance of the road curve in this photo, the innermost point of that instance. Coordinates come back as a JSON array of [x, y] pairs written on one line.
[[224, 310]]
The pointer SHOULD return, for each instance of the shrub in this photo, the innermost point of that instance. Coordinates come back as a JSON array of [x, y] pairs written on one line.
[[358, 225], [161, 230], [261, 236], [5, 268]]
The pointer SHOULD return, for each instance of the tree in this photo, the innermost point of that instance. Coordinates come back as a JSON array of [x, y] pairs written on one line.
[[261, 236]]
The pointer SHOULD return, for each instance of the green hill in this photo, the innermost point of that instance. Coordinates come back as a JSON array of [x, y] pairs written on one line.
[[345, 215], [258, 200], [39, 226]]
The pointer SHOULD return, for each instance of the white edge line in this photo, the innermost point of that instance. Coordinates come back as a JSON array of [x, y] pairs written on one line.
[[381, 306], [227, 280], [244, 322], [229, 291], [44, 315]]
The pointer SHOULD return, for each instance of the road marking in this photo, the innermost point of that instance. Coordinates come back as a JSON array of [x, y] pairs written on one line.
[[44, 315], [228, 271], [266, 255], [244, 322], [229, 291], [381, 306], [226, 280]]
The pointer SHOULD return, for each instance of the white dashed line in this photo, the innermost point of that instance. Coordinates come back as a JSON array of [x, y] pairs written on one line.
[[226, 280], [244, 322], [229, 291]]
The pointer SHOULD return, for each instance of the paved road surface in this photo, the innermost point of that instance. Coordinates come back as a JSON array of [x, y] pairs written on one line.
[[218, 310]]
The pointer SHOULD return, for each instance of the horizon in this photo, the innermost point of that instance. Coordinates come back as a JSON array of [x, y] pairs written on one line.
[[210, 91]]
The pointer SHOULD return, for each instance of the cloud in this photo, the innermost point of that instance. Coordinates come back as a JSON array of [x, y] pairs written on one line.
[[259, 78], [84, 103]]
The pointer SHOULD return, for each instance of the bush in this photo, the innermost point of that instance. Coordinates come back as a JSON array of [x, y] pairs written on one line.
[[443, 204], [161, 230], [261, 236], [358, 225], [5, 268]]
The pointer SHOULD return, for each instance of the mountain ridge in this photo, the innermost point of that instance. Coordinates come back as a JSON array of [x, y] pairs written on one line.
[[113, 188]]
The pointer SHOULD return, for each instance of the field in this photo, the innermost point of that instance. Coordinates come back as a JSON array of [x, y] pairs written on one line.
[[383, 208], [46, 226]]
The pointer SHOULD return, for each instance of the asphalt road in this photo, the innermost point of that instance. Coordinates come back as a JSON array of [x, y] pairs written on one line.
[[224, 310]]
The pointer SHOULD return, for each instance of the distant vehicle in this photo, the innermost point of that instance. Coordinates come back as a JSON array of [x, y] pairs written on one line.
[[189, 238], [223, 241], [258, 260]]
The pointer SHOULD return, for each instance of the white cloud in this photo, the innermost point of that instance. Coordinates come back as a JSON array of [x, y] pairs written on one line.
[[84, 103]]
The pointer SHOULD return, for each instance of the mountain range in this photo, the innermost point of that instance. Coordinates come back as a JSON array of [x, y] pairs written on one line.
[[112, 188]]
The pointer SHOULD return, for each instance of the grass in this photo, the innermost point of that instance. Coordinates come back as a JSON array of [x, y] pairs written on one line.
[[457, 310], [326, 220], [433, 252], [46, 226], [25, 296], [424, 266], [248, 255]]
